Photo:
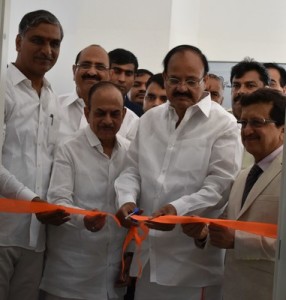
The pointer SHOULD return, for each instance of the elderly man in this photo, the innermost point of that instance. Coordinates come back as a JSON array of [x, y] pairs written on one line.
[[215, 86], [249, 264], [83, 255], [31, 127], [183, 166]]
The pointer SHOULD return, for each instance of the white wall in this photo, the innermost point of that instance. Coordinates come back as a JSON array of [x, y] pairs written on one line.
[[232, 29], [139, 26], [225, 30]]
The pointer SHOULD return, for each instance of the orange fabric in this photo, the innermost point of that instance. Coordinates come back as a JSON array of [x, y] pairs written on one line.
[[23, 206], [264, 229]]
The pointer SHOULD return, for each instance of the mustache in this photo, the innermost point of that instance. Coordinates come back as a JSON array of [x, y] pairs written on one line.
[[180, 94], [107, 127], [94, 77], [237, 98], [250, 137]]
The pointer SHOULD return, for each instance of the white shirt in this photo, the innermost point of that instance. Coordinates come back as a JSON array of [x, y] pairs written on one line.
[[80, 263], [11, 188], [31, 126], [129, 125], [190, 166], [73, 117]]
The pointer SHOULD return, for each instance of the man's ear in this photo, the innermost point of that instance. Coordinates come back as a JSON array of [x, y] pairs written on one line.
[[18, 42], [86, 113], [73, 70]]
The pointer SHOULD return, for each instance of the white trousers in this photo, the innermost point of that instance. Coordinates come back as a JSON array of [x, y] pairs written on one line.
[[53, 297], [146, 290], [20, 273]]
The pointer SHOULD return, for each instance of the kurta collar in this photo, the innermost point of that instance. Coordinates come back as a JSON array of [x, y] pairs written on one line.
[[204, 105], [95, 142], [18, 77], [73, 97]]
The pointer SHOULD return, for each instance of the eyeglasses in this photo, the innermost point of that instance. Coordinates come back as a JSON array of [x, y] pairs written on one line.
[[190, 83], [255, 123], [88, 66]]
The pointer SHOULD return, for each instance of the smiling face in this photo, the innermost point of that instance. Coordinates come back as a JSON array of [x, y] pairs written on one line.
[[38, 50], [183, 66], [85, 77], [261, 141]]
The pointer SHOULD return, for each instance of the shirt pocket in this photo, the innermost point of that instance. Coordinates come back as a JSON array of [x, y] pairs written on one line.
[[53, 128]]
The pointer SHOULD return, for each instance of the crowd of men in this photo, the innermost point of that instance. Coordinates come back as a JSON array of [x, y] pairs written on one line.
[[124, 140]]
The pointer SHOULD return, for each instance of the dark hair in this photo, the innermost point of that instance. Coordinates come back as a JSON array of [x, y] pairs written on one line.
[[157, 78], [247, 65], [34, 18], [271, 96], [183, 48], [280, 69], [141, 72], [100, 85], [123, 57], [218, 78], [78, 55]]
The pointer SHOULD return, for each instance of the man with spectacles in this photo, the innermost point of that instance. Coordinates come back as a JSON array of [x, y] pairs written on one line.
[[91, 66], [250, 259], [185, 156]]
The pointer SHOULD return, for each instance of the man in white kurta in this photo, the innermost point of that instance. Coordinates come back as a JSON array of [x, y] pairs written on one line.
[[31, 123], [184, 158], [83, 260]]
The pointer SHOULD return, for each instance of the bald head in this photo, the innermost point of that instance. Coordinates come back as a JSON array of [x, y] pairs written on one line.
[[91, 66]]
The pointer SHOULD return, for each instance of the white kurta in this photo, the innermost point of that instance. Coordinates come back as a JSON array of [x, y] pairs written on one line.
[[191, 167], [72, 111], [31, 126], [80, 263]]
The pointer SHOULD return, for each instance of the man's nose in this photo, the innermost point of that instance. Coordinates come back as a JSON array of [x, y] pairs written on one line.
[[122, 77], [46, 48]]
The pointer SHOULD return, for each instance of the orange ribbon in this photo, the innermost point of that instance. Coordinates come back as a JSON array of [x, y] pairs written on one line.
[[264, 229], [22, 206]]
